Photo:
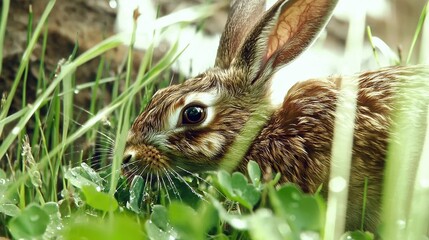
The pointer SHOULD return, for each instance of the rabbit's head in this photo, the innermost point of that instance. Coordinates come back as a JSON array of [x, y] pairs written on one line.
[[210, 121]]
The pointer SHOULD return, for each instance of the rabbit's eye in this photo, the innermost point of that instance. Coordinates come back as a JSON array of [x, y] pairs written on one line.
[[193, 114]]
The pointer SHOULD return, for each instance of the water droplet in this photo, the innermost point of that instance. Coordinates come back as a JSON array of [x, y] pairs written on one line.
[[309, 235], [76, 91], [16, 130], [337, 184], [98, 188], [171, 238], [113, 4], [2, 181], [238, 223], [34, 218], [424, 183], [401, 223], [294, 205], [295, 196]]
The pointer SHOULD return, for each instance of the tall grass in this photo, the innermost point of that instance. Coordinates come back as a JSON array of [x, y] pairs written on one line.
[[344, 131], [4, 14], [43, 176]]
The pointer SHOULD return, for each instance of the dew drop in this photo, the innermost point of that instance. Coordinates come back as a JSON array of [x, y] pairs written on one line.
[[337, 184], [16, 130], [310, 235], [76, 91], [238, 223], [294, 205], [401, 224], [34, 218], [113, 4], [295, 196], [424, 183]]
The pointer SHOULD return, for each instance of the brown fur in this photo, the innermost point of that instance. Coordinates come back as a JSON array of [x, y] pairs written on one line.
[[296, 139]]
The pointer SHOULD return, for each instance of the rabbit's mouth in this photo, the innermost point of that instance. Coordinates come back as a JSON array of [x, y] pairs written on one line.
[[144, 159]]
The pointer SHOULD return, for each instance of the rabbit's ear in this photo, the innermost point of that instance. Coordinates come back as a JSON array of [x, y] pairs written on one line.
[[242, 17], [284, 32]]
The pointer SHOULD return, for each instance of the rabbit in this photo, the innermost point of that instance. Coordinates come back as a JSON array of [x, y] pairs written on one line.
[[222, 118]]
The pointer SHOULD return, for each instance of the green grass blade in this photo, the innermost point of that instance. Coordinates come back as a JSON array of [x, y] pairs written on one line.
[[419, 220], [371, 42], [417, 32], [405, 146], [24, 61], [27, 67], [341, 159], [424, 48], [102, 47], [3, 23], [342, 145]]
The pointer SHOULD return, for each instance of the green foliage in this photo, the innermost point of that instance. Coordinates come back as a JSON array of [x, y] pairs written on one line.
[[32, 222], [357, 235], [99, 200], [118, 226], [236, 188], [84, 176], [136, 194], [303, 212], [50, 191]]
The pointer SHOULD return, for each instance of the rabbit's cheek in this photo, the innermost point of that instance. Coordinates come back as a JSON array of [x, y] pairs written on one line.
[[197, 146]]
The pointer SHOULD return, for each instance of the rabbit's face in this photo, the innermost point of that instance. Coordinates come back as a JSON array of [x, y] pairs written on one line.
[[211, 120], [191, 125]]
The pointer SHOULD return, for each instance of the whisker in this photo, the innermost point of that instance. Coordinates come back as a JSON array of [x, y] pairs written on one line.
[[179, 177], [103, 143], [146, 185], [172, 184], [131, 170], [158, 182], [101, 169], [166, 190], [200, 178]]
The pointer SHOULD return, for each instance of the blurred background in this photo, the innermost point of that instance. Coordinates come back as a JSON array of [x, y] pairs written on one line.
[[343, 48]]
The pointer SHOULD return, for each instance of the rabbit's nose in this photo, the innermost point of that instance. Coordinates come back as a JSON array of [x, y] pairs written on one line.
[[127, 158]]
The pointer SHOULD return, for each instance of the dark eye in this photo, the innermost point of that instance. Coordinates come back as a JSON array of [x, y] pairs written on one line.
[[193, 114]]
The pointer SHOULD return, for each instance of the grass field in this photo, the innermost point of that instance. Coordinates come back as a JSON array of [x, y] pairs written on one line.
[[61, 179]]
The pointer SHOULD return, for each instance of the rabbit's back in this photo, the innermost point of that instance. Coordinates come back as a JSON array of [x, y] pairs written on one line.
[[297, 140]]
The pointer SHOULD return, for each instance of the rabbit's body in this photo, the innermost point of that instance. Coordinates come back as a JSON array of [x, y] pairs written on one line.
[[222, 118], [297, 140]]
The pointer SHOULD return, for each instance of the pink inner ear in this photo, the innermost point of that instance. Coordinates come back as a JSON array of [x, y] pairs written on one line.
[[296, 27], [281, 33]]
